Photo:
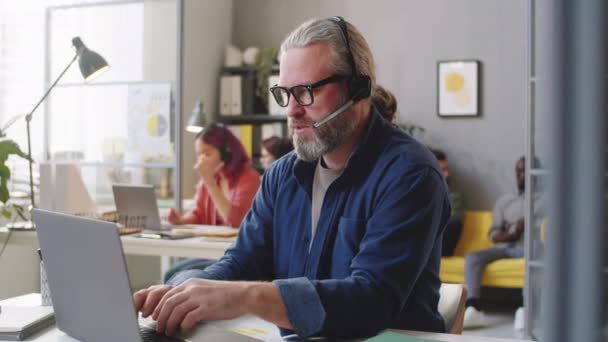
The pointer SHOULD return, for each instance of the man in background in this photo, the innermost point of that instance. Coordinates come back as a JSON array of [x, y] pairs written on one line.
[[453, 228], [507, 235]]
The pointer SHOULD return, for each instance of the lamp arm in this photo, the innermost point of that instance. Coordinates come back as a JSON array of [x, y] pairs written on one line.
[[28, 118]]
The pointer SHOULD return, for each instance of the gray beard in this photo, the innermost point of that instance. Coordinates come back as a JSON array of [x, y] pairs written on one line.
[[326, 138]]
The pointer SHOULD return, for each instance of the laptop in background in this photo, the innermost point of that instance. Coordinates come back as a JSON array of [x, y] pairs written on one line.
[[89, 284], [139, 201]]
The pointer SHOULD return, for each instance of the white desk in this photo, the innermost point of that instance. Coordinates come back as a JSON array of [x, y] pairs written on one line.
[[20, 264], [197, 247], [52, 334]]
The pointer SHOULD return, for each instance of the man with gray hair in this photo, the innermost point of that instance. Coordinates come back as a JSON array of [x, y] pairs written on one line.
[[347, 228]]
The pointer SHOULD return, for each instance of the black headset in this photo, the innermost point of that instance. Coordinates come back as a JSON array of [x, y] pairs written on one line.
[[359, 86], [225, 154]]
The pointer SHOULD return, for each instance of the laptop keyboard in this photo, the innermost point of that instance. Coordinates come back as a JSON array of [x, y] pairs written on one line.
[[150, 335]]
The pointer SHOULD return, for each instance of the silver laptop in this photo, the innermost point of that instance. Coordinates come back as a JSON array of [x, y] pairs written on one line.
[[89, 283], [139, 201]]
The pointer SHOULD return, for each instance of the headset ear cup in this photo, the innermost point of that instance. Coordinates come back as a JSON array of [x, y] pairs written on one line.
[[226, 156], [360, 87]]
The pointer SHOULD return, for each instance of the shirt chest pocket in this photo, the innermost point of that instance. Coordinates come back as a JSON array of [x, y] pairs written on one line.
[[348, 238]]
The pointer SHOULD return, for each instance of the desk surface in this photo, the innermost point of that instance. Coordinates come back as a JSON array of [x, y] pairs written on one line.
[[52, 334], [197, 247]]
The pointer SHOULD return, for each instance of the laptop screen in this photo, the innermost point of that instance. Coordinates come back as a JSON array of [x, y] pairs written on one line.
[[137, 201]]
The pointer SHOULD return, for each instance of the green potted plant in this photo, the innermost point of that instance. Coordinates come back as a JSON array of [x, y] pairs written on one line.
[[264, 61], [415, 131], [8, 147]]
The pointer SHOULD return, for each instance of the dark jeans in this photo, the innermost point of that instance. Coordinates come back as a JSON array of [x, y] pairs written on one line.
[[185, 265], [451, 235], [475, 263]]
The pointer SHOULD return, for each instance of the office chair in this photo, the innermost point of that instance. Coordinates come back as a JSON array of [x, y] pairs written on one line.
[[452, 300]]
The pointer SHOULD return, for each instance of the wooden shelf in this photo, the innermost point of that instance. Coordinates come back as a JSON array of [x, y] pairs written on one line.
[[252, 119], [245, 69]]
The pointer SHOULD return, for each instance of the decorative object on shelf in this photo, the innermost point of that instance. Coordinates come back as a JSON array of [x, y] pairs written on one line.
[[91, 66], [458, 88], [415, 131], [45, 293], [233, 56], [250, 55], [196, 122], [266, 58]]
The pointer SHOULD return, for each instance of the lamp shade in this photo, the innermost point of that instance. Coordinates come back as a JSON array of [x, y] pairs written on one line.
[[196, 122], [91, 63]]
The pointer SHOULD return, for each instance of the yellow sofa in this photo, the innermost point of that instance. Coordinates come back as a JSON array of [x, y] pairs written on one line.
[[508, 273]]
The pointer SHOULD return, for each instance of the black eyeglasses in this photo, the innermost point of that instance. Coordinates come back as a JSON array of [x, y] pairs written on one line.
[[303, 93]]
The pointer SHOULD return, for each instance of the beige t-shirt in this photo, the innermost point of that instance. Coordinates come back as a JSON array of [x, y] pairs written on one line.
[[322, 180]]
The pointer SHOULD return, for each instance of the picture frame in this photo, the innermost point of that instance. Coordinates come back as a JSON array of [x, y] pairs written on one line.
[[458, 88]]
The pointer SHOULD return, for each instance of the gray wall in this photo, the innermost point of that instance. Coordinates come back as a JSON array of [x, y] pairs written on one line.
[[207, 30], [408, 38]]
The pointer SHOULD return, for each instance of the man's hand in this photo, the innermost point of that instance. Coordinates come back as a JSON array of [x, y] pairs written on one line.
[[195, 300], [501, 236], [509, 233], [146, 300], [518, 229]]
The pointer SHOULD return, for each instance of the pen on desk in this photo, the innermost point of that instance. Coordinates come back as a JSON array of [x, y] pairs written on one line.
[[151, 235]]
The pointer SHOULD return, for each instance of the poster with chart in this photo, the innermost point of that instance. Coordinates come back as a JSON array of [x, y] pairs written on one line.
[[148, 120]]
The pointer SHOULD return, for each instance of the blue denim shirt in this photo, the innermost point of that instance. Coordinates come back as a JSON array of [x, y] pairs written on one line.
[[374, 260]]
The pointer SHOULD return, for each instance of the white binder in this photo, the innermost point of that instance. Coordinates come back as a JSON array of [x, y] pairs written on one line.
[[237, 96], [226, 95]]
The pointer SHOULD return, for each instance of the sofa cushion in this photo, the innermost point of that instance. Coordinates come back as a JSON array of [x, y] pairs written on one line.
[[474, 235], [507, 273]]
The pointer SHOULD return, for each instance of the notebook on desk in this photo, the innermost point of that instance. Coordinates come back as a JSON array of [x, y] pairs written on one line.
[[18, 322], [89, 284], [209, 231]]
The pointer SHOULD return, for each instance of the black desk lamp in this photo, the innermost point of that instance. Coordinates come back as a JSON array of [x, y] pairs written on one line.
[[91, 66], [197, 119]]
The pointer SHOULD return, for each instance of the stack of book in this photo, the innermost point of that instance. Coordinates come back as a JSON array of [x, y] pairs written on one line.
[[19, 322]]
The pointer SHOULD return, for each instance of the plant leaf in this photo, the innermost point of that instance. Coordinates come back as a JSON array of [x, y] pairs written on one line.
[[4, 195], [5, 172], [8, 147]]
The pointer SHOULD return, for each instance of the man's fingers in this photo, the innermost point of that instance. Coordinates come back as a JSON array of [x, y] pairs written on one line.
[[191, 318], [166, 309], [139, 298], [152, 299], [178, 314], [171, 292]]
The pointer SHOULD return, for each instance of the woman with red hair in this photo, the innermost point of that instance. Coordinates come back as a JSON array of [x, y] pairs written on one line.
[[227, 183], [226, 188]]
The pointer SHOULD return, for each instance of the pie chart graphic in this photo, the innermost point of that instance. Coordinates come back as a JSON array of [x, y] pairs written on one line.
[[157, 125]]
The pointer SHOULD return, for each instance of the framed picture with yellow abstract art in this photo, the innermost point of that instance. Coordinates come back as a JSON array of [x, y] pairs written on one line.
[[458, 88]]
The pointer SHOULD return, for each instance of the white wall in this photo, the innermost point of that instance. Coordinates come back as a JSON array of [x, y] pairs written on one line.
[[408, 37]]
